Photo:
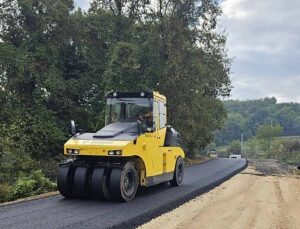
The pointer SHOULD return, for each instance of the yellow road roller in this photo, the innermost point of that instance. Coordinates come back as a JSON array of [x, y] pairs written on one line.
[[135, 148]]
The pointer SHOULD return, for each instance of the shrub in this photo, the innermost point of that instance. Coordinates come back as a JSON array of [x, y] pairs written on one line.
[[223, 154], [35, 183], [5, 192]]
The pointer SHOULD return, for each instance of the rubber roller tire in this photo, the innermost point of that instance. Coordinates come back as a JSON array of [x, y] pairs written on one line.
[[178, 173], [106, 183], [98, 183], [124, 182], [80, 185], [65, 179]]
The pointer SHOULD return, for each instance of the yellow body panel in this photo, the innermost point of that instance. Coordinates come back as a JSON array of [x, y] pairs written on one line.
[[149, 147], [94, 147]]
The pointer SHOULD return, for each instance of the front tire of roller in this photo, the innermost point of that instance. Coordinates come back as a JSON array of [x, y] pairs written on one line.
[[124, 182], [98, 182], [65, 179], [178, 173], [80, 185]]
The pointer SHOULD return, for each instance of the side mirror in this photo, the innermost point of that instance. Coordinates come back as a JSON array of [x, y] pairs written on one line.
[[73, 128]]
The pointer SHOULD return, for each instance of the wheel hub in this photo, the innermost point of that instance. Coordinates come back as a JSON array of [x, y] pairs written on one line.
[[128, 181]]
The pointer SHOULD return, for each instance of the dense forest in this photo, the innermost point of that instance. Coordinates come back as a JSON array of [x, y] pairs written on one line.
[[246, 117], [57, 63]]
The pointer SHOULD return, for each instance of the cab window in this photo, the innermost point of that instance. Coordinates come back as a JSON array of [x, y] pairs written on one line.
[[155, 115], [162, 114]]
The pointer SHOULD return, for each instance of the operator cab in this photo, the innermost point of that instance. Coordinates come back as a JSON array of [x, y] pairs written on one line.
[[130, 108], [145, 110]]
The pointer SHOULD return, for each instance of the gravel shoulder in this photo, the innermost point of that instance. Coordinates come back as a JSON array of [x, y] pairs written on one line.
[[265, 195]]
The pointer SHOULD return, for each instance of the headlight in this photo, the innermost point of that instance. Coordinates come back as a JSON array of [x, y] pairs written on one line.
[[69, 150], [118, 152], [73, 151], [111, 152], [115, 152]]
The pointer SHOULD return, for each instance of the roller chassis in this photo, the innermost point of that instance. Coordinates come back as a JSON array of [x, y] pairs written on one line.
[[111, 163]]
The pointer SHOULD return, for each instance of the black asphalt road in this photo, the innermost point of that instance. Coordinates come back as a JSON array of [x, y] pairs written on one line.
[[57, 212]]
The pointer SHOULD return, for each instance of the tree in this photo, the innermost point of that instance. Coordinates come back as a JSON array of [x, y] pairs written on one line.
[[235, 147], [57, 64], [33, 35], [267, 133], [174, 48]]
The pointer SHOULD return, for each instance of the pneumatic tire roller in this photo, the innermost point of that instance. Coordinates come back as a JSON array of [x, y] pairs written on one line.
[[135, 148]]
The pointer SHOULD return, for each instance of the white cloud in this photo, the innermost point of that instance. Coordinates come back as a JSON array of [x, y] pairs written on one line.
[[264, 41]]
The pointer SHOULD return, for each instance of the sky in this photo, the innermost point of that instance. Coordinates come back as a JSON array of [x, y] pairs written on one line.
[[84, 4], [263, 40]]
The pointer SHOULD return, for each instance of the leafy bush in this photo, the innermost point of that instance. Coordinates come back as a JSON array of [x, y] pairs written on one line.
[[24, 187], [35, 183], [223, 154], [5, 192]]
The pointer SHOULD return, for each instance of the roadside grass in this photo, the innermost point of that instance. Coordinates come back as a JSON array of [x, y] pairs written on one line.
[[222, 148], [289, 137], [297, 172]]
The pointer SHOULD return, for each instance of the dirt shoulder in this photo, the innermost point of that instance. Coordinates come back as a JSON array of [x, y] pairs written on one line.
[[264, 197]]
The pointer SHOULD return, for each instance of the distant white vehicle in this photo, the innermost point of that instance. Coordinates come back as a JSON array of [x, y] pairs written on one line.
[[235, 156]]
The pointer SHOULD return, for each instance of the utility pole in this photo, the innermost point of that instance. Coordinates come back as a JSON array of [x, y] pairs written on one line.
[[271, 123], [242, 141]]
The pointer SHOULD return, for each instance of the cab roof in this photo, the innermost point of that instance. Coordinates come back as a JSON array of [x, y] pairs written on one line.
[[136, 94]]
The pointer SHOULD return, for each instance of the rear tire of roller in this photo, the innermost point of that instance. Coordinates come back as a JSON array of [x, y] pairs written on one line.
[[178, 173]]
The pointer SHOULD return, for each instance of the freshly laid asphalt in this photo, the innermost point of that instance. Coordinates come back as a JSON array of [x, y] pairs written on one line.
[[58, 212]]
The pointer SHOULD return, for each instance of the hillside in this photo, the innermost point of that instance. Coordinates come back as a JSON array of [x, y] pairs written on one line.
[[246, 116]]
